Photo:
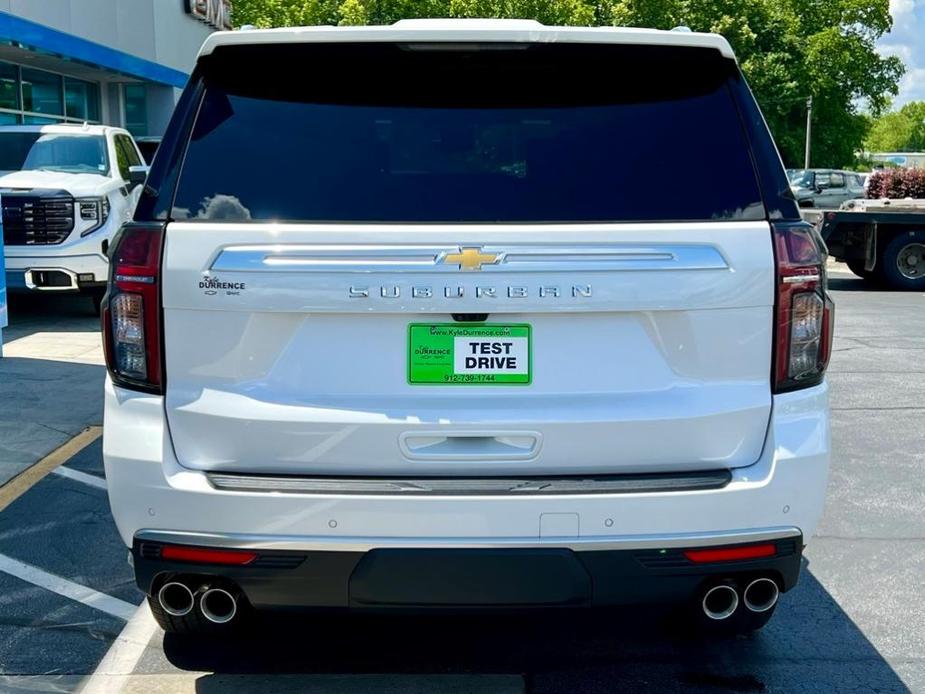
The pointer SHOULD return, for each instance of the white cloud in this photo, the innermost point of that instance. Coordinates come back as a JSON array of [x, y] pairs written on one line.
[[905, 52], [912, 86], [898, 7], [906, 41]]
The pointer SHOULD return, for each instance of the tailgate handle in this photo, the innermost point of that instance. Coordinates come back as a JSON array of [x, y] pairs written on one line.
[[470, 445]]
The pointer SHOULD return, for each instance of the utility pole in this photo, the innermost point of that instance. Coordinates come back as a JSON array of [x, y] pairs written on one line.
[[809, 129]]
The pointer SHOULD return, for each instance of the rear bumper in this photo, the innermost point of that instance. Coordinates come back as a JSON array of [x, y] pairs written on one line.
[[155, 498], [469, 577]]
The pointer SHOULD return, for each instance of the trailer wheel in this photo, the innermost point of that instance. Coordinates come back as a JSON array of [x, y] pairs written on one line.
[[904, 261]]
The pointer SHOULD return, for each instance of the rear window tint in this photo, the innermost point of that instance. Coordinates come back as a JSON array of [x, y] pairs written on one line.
[[389, 133]]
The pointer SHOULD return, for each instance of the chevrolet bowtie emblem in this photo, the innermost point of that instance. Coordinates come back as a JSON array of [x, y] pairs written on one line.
[[471, 258]]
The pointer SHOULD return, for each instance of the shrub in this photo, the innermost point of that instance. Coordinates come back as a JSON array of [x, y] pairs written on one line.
[[897, 183]]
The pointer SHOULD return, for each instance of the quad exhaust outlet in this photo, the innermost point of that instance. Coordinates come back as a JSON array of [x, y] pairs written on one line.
[[218, 605], [761, 595], [176, 599], [720, 602]]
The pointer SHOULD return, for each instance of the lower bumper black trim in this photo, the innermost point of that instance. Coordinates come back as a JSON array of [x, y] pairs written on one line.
[[470, 577]]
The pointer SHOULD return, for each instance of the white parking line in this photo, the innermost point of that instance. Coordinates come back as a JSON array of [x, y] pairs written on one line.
[[120, 660], [68, 589], [79, 476]]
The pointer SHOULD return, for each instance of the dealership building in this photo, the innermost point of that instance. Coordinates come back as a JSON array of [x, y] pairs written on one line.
[[117, 62]]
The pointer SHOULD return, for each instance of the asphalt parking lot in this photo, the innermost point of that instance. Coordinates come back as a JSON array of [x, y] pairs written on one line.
[[69, 619]]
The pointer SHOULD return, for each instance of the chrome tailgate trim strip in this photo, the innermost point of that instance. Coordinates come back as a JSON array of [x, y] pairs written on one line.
[[536, 486], [361, 258]]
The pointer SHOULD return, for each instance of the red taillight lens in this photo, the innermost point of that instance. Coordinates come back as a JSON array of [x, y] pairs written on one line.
[[131, 313], [706, 556], [202, 555], [803, 311]]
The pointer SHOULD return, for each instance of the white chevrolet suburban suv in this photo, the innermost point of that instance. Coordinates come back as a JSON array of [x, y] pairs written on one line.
[[424, 329], [65, 190]]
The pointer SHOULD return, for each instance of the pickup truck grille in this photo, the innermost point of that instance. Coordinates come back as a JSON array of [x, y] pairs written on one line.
[[36, 220]]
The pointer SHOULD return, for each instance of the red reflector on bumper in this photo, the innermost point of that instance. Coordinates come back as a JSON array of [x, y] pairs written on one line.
[[705, 556], [207, 556]]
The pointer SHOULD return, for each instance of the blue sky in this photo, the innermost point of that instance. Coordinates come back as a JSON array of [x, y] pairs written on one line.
[[907, 40]]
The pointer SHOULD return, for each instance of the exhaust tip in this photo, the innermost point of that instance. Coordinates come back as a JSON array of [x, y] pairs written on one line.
[[218, 605], [175, 598], [720, 602], [761, 595]]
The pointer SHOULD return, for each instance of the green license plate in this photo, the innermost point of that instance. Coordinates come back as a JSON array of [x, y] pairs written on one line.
[[469, 354]]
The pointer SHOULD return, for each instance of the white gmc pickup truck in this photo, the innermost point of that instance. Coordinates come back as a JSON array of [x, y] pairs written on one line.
[[424, 329], [65, 190]]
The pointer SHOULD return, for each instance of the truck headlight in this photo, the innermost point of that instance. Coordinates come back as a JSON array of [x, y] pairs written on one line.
[[92, 213]]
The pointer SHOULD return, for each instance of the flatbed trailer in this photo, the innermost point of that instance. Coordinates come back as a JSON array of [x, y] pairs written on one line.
[[880, 241]]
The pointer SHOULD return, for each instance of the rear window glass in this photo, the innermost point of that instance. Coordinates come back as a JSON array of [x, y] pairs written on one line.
[[390, 133]]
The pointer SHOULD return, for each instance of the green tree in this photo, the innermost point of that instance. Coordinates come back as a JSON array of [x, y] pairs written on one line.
[[792, 49], [788, 49], [285, 13], [899, 131]]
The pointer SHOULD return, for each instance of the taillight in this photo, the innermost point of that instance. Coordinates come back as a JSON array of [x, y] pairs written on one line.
[[803, 310], [203, 555], [740, 553], [131, 312]]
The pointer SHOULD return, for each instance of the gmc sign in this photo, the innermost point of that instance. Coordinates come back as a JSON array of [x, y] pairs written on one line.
[[215, 13]]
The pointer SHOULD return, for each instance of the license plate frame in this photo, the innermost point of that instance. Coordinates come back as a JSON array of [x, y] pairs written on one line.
[[432, 354]]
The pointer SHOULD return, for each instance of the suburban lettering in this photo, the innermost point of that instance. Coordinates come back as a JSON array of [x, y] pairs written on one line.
[[481, 292]]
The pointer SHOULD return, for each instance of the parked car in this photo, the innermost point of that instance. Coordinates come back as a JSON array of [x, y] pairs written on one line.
[[448, 355], [825, 188], [65, 191], [148, 145]]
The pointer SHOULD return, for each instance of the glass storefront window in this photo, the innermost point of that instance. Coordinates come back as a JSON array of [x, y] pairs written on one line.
[[9, 86], [41, 92], [29, 95], [136, 109], [39, 120], [82, 99]]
